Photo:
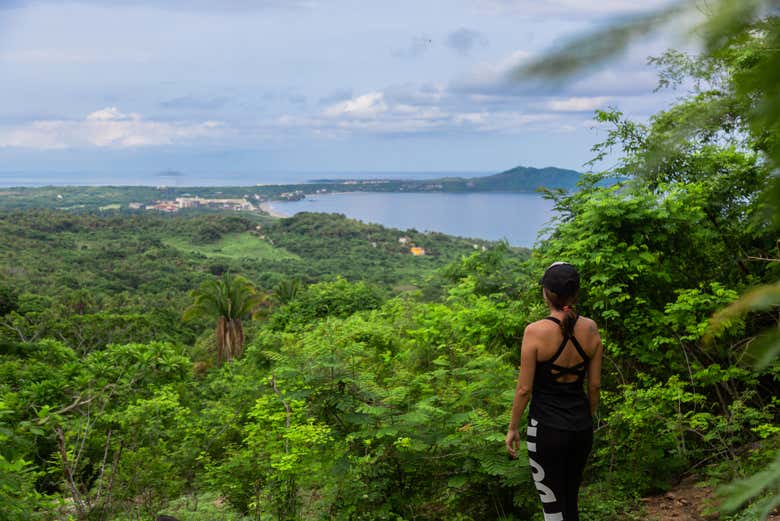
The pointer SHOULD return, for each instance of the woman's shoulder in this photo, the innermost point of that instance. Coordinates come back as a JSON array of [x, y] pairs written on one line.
[[541, 325], [588, 323], [544, 324], [588, 334]]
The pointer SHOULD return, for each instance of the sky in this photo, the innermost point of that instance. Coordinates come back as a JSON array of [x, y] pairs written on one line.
[[305, 85]]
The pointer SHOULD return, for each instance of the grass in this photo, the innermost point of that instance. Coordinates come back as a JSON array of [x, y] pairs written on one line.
[[234, 245]]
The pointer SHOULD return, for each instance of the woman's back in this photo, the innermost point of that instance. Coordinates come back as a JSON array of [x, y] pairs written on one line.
[[562, 362], [550, 336]]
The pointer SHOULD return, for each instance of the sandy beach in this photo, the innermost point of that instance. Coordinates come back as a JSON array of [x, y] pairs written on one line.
[[266, 207]]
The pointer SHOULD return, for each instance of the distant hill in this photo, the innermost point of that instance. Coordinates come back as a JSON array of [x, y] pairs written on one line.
[[518, 179]]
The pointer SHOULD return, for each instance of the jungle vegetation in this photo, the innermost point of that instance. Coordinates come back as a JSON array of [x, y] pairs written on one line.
[[375, 385]]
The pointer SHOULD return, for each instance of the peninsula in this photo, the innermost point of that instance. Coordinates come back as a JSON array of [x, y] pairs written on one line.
[[250, 198]]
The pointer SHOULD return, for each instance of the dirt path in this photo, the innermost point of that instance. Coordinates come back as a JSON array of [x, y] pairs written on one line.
[[686, 502]]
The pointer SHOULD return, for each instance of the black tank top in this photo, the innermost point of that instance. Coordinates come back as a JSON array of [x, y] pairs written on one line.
[[556, 404]]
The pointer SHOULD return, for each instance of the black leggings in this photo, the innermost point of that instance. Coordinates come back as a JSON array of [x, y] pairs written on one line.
[[557, 459]]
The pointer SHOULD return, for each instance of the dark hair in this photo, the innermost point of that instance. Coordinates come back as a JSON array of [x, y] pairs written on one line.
[[565, 304], [561, 284]]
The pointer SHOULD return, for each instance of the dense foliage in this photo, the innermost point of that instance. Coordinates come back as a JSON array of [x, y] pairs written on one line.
[[377, 385]]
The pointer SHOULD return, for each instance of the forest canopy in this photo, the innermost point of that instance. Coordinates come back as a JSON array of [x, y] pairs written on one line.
[[370, 384]]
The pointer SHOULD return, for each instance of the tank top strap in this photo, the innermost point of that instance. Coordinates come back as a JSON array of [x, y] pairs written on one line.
[[579, 349], [561, 347], [565, 340]]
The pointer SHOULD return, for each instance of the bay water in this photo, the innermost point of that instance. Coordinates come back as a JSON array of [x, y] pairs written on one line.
[[518, 218]]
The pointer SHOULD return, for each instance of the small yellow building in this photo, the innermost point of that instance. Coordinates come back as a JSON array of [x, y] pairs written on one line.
[[416, 250]]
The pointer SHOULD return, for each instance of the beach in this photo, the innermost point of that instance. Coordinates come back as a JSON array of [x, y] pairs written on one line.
[[266, 207]]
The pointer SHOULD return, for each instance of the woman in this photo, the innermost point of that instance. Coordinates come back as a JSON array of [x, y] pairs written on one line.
[[556, 355]]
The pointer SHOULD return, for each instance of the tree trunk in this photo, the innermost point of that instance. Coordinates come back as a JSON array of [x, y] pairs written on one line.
[[230, 339]]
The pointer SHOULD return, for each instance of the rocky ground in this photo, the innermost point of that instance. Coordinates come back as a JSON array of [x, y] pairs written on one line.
[[687, 502]]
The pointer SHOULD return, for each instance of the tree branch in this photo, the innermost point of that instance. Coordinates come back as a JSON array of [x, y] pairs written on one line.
[[286, 408], [66, 467]]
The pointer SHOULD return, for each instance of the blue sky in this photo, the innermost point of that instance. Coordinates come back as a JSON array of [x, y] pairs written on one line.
[[302, 85]]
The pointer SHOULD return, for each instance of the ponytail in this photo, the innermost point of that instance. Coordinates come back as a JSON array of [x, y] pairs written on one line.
[[565, 305], [567, 324]]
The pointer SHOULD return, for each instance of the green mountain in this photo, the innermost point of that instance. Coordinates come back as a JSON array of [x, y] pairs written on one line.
[[518, 179]]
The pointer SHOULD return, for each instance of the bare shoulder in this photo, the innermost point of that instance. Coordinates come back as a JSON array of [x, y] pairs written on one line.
[[589, 324], [591, 338], [536, 332], [540, 327]]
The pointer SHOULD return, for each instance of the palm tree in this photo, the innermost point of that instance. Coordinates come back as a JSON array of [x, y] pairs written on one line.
[[229, 298], [286, 290]]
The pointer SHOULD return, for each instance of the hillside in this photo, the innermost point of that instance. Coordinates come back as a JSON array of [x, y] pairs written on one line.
[[521, 179], [518, 179], [158, 255]]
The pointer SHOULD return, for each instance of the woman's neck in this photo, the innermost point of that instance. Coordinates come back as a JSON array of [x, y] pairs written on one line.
[[555, 312]]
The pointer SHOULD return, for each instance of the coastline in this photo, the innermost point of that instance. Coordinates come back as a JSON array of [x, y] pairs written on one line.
[[266, 207]]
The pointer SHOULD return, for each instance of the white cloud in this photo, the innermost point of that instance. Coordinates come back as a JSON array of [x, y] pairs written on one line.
[[379, 112], [376, 112], [111, 114], [505, 122], [415, 94], [577, 104], [362, 107], [106, 128]]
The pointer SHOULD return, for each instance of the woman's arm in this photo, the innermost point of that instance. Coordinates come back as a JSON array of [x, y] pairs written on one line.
[[525, 382], [594, 373]]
